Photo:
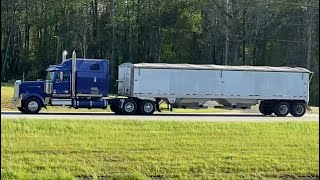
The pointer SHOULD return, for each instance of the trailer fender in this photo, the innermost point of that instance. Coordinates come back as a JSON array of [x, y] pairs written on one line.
[[24, 97]]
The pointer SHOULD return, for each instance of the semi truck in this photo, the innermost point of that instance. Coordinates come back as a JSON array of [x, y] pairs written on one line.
[[84, 83]]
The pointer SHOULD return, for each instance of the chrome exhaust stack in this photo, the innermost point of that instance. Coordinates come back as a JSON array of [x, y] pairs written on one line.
[[73, 76], [64, 56]]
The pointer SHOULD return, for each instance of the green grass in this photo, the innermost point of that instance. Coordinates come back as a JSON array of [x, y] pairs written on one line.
[[123, 149], [6, 96]]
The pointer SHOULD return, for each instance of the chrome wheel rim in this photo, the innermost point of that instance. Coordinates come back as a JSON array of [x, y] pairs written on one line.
[[148, 107], [33, 106], [283, 109], [129, 107], [299, 109]]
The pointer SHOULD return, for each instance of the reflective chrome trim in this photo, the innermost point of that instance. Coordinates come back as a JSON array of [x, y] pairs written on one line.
[[33, 106], [89, 95], [61, 102], [16, 88], [61, 95], [73, 76], [48, 87]]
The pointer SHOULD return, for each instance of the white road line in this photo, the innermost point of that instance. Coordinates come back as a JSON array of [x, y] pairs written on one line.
[[209, 117]]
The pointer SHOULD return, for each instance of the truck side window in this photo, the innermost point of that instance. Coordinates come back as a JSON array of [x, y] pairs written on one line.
[[56, 75], [95, 67], [66, 76]]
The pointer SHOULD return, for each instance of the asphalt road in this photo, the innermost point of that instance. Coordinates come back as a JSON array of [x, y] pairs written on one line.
[[214, 117]]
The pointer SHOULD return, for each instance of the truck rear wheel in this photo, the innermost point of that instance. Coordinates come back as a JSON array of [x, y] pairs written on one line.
[[266, 108], [114, 108], [147, 107], [32, 106], [129, 107], [298, 109], [282, 109]]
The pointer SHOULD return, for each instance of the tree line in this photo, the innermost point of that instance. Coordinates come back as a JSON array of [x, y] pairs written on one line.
[[234, 32]]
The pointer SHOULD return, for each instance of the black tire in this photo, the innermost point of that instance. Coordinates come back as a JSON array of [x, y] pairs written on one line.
[[147, 107], [114, 108], [138, 101], [266, 108], [282, 109], [298, 109], [129, 107], [32, 105], [22, 110]]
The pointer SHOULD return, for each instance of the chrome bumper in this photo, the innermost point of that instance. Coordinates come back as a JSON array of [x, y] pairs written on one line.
[[16, 102]]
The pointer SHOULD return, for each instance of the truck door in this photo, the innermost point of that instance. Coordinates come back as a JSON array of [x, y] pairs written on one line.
[[61, 84]]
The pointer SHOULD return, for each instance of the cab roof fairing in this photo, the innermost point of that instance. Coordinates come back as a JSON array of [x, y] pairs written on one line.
[[58, 68], [66, 65]]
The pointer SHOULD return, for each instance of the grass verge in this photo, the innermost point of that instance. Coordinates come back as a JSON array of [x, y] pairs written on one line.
[[123, 149]]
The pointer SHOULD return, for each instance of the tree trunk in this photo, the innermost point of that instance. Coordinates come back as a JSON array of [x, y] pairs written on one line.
[[94, 6], [235, 53], [309, 34]]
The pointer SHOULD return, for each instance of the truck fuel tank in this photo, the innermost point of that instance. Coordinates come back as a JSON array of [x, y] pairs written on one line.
[[91, 103]]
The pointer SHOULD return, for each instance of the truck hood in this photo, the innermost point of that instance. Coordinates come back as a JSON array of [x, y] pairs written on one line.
[[32, 87]]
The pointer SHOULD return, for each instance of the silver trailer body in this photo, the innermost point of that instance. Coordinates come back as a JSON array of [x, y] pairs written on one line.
[[186, 85]]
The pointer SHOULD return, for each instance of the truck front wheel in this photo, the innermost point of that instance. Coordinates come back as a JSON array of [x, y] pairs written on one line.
[[32, 106], [298, 109], [129, 107], [147, 107]]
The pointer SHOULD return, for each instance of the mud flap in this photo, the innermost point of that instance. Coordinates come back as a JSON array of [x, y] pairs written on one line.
[[308, 108]]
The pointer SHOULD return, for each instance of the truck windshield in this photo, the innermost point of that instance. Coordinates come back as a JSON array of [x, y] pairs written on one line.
[[50, 75]]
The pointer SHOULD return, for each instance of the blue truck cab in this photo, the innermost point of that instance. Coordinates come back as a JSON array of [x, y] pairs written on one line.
[[77, 83], [91, 78], [85, 87]]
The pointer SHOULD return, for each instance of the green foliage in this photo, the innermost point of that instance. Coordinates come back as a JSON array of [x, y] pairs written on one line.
[[124, 149], [275, 33]]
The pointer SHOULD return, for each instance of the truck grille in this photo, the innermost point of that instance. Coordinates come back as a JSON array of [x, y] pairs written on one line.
[[16, 89]]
